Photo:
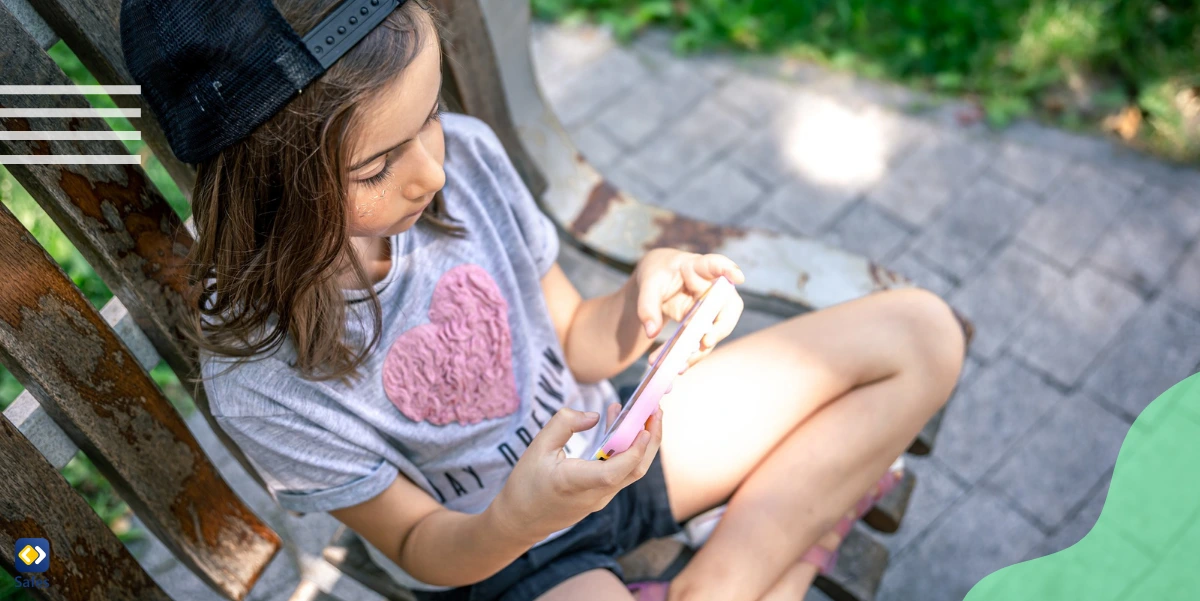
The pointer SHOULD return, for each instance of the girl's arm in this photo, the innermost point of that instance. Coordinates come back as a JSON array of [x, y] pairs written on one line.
[[545, 493], [602, 336]]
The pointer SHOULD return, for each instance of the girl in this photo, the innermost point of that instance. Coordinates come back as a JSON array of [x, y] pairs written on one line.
[[387, 336]]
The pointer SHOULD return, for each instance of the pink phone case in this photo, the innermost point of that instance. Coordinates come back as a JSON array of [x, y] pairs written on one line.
[[657, 381]]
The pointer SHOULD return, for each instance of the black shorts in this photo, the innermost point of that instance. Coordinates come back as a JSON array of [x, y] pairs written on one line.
[[638, 513]]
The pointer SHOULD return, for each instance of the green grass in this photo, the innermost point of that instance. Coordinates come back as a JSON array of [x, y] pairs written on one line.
[[1075, 62], [80, 472]]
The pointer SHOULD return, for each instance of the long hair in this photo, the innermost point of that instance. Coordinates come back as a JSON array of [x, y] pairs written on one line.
[[271, 211]]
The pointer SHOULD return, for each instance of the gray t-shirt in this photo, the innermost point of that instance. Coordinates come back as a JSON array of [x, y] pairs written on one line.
[[467, 371]]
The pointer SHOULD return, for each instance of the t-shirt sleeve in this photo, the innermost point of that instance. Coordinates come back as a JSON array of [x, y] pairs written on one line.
[[537, 230], [308, 468]]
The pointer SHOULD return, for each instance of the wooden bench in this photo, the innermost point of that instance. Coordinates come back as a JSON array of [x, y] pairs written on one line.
[[85, 370]]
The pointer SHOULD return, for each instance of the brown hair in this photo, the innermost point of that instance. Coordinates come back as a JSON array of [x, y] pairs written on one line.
[[271, 210]]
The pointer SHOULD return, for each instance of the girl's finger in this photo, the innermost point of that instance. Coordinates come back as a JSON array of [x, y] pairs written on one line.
[[613, 410], [649, 304], [713, 266], [726, 320], [654, 427]]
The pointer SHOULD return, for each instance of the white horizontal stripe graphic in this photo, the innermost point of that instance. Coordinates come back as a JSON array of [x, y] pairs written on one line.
[[71, 135], [70, 159], [70, 89], [65, 112]]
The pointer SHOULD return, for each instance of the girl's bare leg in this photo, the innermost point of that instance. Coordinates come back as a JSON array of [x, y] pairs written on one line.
[[796, 422]]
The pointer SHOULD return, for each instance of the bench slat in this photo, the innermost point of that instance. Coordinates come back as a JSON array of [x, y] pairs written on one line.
[[91, 29], [59, 347], [29, 417], [33, 22], [112, 213], [86, 559]]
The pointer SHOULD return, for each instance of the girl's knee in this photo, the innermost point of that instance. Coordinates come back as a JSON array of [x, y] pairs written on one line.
[[935, 337]]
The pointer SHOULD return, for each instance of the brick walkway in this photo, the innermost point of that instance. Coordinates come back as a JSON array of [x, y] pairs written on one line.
[[1077, 261]]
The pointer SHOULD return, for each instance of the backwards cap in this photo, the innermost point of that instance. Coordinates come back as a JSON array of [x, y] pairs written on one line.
[[212, 71]]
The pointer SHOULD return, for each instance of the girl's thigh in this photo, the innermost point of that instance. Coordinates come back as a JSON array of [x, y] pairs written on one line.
[[726, 413], [593, 585]]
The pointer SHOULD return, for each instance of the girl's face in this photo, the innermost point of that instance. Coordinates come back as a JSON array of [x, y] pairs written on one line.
[[398, 168]]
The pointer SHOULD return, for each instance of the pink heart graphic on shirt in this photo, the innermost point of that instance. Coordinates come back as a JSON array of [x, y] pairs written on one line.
[[457, 367]]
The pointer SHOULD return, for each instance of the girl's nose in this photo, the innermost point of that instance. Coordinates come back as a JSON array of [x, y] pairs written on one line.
[[427, 174]]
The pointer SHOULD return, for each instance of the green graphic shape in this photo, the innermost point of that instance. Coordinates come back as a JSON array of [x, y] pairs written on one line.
[[1146, 543]]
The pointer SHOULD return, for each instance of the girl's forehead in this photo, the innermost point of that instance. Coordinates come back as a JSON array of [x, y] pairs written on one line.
[[398, 111]]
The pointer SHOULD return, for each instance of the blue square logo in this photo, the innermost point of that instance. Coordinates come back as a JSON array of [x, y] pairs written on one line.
[[32, 555]]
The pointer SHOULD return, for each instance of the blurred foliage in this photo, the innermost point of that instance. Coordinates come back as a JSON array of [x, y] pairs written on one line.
[[1074, 61], [80, 472]]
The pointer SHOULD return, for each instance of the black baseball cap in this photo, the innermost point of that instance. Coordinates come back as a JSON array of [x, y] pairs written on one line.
[[214, 70]]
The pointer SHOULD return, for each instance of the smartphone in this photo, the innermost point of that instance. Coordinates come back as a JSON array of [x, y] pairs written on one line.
[[657, 381]]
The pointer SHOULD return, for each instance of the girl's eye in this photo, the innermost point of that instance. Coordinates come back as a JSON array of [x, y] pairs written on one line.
[[382, 176]]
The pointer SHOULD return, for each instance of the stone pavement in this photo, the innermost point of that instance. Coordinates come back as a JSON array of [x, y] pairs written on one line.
[[1077, 261]]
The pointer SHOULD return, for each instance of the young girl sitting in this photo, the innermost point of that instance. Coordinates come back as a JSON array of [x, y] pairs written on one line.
[[386, 334]]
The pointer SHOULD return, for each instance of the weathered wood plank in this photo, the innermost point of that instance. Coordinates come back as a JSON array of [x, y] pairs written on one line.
[[112, 213], [474, 81], [59, 347], [33, 22], [86, 560], [38, 427], [856, 577], [887, 514], [91, 28]]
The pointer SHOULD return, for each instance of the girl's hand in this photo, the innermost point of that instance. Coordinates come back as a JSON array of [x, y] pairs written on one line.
[[668, 282], [547, 491]]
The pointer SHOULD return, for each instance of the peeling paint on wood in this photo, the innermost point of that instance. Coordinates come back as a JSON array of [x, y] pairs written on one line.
[[87, 560], [62, 350]]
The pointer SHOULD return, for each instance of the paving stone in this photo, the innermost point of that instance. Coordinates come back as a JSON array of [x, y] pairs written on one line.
[[756, 99], [1149, 238], [1066, 334], [558, 48], [180, 583], [816, 139], [799, 207], [869, 231], [917, 268], [935, 492], [278, 581], [934, 173], [1060, 142], [990, 414], [1003, 295], [596, 146], [1185, 284], [1055, 466], [670, 89], [1075, 528], [972, 225], [719, 193], [1076, 213], [577, 94], [658, 44], [1031, 169], [686, 145], [1125, 377], [975, 538]]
